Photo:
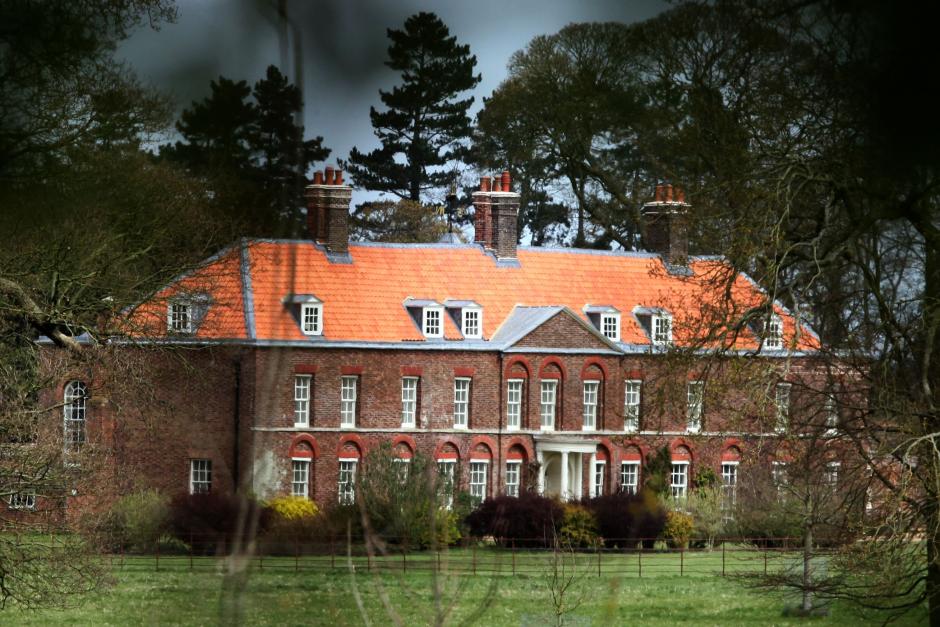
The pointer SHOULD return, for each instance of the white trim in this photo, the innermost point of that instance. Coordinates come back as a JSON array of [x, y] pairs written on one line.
[[616, 318], [425, 311], [521, 404], [317, 327], [479, 322]]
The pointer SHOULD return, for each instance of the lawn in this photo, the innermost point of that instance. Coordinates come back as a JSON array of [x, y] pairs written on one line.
[[507, 589]]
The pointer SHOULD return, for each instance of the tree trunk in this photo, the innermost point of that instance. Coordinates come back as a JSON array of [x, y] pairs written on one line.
[[807, 569]]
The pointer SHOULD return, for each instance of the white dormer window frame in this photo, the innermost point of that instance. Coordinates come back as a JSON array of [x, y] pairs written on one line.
[[661, 328], [311, 318], [610, 326], [179, 316], [432, 321], [773, 332], [471, 322]]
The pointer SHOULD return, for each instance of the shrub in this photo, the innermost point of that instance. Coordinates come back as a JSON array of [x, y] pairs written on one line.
[[209, 522], [629, 518], [446, 530], [678, 530], [138, 520], [293, 507], [527, 520], [341, 521], [579, 526]]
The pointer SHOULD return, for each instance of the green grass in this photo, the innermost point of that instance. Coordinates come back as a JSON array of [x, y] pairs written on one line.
[[319, 590]]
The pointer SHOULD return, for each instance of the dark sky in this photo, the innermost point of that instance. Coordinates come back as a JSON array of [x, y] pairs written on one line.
[[344, 47]]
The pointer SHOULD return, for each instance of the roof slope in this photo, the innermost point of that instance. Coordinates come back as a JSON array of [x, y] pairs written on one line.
[[364, 300]]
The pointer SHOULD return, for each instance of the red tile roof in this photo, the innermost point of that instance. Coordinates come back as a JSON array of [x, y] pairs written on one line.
[[363, 300]]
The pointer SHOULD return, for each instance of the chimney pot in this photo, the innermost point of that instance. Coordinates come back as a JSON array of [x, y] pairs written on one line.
[[318, 178], [506, 181], [328, 176], [665, 229], [338, 177], [680, 195], [660, 193], [668, 193], [485, 184]]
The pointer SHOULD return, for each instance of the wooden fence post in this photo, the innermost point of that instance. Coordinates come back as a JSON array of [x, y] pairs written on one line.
[[513, 556], [722, 559], [681, 562], [474, 549], [639, 561]]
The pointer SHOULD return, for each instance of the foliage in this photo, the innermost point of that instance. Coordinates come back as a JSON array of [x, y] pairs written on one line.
[[629, 518], [212, 522], [578, 527], [527, 520], [425, 120], [140, 520], [705, 478], [402, 221], [341, 523], [656, 472], [400, 501], [293, 507], [708, 513], [253, 155], [443, 530], [678, 529]]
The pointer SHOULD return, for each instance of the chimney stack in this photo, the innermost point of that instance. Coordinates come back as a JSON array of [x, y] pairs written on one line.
[[496, 211], [328, 210], [666, 227]]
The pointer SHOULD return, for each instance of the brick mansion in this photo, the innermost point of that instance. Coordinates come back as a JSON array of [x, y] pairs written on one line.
[[277, 365]]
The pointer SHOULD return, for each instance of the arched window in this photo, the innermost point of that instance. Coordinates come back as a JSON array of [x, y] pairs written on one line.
[[73, 408]]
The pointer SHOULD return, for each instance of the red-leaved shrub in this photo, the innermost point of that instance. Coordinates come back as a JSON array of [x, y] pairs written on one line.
[[628, 518], [209, 522], [529, 520]]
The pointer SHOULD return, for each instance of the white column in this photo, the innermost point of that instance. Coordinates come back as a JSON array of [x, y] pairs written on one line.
[[565, 491], [591, 474], [541, 459], [579, 473]]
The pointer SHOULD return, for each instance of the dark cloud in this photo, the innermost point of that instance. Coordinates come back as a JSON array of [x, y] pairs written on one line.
[[344, 46]]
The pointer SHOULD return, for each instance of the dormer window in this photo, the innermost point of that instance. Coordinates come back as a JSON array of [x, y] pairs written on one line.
[[661, 325], [307, 310], [610, 326], [180, 318], [185, 313], [311, 318], [472, 319], [433, 321], [773, 333], [605, 319]]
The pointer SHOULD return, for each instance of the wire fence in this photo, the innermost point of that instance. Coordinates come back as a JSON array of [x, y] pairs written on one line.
[[477, 557]]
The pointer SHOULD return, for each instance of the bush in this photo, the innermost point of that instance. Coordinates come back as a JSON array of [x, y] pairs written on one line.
[[629, 518], [138, 520], [579, 526], [678, 530], [209, 522], [293, 507], [446, 530], [529, 520]]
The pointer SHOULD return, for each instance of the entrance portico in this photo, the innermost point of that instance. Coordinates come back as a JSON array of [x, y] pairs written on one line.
[[561, 464]]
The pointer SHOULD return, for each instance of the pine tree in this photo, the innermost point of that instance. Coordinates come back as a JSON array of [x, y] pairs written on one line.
[[425, 119], [252, 153]]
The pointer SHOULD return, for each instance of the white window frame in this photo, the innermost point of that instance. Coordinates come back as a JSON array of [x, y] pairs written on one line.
[[679, 479], [346, 480], [348, 400], [462, 387], [548, 389], [300, 477], [200, 476], [23, 500], [313, 325], [179, 316], [634, 474], [832, 474], [773, 332], [403, 467], [695, 406], [515, 388], [661, 329], [447, 471], [479, 469], [591, 397], [831, 410], [409, 401], [729, 485], [432, 321], [598, 477], [74, 415], [303, 384], [780, 476], [782, 407], [632, 397], [610, 326], [513, 477], [471, 319]]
